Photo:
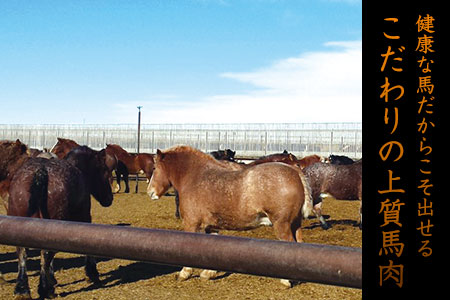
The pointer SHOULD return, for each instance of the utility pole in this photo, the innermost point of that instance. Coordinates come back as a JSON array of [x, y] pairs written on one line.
[[138, 143]]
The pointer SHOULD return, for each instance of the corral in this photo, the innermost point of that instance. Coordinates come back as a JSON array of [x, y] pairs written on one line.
[[134, 280]]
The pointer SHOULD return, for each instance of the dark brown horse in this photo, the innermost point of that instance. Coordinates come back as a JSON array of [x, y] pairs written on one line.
[[60, 190], [215, 197], [13, 154], [134, 163], [342, 182], [64, 146]]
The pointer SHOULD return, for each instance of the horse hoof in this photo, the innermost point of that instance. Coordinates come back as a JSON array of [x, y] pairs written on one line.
[[326, 226], [94, 281], [208, 274], [25, 296], [50, 295], [182, 278], [287, 283], [184, 274]]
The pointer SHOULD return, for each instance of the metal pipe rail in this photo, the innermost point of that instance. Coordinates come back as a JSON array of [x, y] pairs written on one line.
[[332, 265]]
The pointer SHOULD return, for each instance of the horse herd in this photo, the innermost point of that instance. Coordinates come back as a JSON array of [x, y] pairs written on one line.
[[213, 191]]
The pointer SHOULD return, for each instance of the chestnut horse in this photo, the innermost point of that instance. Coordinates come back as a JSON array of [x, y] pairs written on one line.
[[342, 182], [64, 146], [60, 190], [214, 197], [135, 163]]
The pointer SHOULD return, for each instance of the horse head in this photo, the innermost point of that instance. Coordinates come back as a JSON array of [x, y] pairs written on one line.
[[93, 166], [159, 183], [10, 153]]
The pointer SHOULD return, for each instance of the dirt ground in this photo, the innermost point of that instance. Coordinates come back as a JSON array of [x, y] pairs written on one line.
[[123, 279]]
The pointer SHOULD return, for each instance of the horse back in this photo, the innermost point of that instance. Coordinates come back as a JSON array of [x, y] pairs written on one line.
[[261, 187], [65, 192], [341, 181]]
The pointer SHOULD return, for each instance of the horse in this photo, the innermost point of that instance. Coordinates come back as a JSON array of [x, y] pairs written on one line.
[[226, 154], [309, 160], [13, 154], [133, 163], [64, 146], [340, 160], [338, 181], [215, 197], [285, 157], [60, 190]]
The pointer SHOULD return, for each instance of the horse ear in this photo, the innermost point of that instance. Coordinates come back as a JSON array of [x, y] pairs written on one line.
[[291, 157], [159, 154]]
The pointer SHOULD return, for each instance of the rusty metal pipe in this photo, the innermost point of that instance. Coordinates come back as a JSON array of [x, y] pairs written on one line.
[[324, 264]]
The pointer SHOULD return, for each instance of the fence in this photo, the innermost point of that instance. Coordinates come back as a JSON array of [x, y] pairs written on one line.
[[248, 140], [334, 265]]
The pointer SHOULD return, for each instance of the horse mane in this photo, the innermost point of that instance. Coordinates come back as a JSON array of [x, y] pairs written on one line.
[[188, 149], [117, 148]]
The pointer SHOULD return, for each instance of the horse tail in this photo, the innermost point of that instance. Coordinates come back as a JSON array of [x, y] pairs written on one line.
[[307, 208], [38, 193]]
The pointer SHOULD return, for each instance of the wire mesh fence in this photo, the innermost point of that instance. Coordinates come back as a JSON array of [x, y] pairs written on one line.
[[248, 140]]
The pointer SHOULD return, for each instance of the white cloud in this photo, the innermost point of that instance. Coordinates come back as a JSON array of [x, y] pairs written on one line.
[[323, 86]]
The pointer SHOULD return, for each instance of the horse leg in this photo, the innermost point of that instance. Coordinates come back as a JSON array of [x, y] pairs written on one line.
[[285, 231], [186, 272], [47, 279], [22, 289], [360, 215], [125, 179], [318, 211], [91, 271], [118, 175], [177, 205], [208, 274]]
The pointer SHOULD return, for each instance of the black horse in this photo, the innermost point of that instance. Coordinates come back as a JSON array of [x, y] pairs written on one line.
[[226, 154], [60, 190], [340, 160]]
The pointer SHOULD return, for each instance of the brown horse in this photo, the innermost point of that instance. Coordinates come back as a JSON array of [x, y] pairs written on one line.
[[60, 190], [339, 181], [288, 158], [134, 163], [285, 157], [12, 156], [309, 160], [214, 197], [64, 146]]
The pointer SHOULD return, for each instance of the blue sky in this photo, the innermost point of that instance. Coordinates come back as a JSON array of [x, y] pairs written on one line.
[[185, 61]]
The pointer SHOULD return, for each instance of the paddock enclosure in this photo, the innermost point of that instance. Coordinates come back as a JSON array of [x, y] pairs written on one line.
[[123, 279]]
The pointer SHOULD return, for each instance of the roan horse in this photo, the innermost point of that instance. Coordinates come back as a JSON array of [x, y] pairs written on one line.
[[134, 163], [214, 196], [342, 182], [58, 189]]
